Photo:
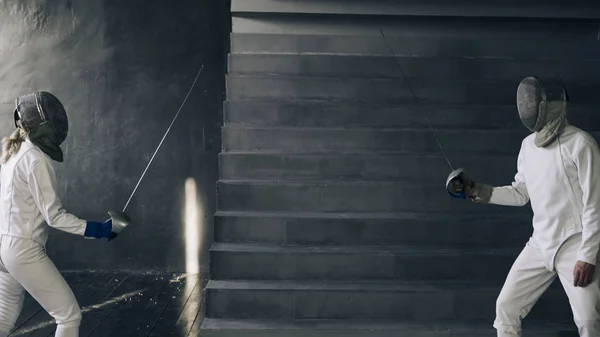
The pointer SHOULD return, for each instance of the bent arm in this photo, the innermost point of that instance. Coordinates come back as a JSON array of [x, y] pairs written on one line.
[[587, 160], [515, 194], [42, 182]]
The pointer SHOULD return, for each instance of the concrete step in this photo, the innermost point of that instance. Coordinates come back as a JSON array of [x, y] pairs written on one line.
[[215, 327], [242, 87], [528, 30], [347, 197], [403, 301], [266, 262], [315, 140], [413, 67], [421, 45], [282, 166], [407, 9], [347, 229], [346, 114]]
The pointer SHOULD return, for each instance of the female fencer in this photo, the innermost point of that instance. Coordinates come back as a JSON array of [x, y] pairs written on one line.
[[28, 205]]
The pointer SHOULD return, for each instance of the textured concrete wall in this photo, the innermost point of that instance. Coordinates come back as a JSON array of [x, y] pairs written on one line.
[[122, 69]]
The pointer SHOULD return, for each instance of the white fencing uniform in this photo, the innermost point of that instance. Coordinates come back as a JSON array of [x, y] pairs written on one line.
[[29, 205], [562, 181]]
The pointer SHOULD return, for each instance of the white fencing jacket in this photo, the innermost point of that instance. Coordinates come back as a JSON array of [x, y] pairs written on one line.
[[562, 181], [29, 202]]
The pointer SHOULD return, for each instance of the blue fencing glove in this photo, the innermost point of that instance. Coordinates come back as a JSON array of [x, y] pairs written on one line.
[[108, 229], [99, 230]]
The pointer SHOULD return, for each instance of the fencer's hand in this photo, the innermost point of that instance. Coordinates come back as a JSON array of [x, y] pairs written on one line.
[[583, 274], [457, 185], [119, 221], [463, 184]]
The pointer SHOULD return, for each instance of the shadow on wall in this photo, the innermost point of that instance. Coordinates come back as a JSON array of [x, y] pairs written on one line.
[[122, 77]]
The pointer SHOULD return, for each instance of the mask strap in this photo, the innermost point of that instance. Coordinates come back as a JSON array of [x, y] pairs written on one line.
[[16, 113], [552, 90], [542, 104]]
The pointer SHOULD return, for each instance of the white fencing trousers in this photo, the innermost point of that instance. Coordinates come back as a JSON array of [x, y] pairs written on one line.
[[529, 278], [24, 265]]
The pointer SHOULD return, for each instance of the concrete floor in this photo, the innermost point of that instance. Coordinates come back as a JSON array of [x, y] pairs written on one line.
[[125, 304]]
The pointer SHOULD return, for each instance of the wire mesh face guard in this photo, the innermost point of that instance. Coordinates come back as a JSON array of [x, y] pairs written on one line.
[[40, 108], [533, 96]]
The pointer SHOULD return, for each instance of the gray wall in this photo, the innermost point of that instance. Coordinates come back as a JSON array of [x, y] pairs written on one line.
[[122, 69]]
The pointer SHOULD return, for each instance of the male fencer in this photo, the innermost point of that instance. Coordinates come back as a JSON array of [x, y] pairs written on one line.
[[558, 170], [29, 205]]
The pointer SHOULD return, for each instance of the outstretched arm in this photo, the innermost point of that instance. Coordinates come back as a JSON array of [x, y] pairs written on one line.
[[514, 194], [42, 182]]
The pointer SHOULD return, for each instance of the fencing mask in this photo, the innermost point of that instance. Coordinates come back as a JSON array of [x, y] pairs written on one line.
[[44, 118], [542, 106]]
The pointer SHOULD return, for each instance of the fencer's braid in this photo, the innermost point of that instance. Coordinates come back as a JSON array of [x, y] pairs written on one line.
[[12, 144]]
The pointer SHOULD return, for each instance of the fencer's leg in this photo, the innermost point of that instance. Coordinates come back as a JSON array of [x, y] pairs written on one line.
[[585, 302], [64, 331], [12, 295], [28, 263], [527, 280]]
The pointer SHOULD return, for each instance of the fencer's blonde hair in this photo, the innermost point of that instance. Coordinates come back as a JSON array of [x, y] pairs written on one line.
[[12, 144]]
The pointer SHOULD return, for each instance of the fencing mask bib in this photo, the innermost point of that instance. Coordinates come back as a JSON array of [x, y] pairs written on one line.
[[542, 106], [44, 118]]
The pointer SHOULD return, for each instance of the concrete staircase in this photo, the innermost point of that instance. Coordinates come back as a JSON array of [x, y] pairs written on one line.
[[332, 215]]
